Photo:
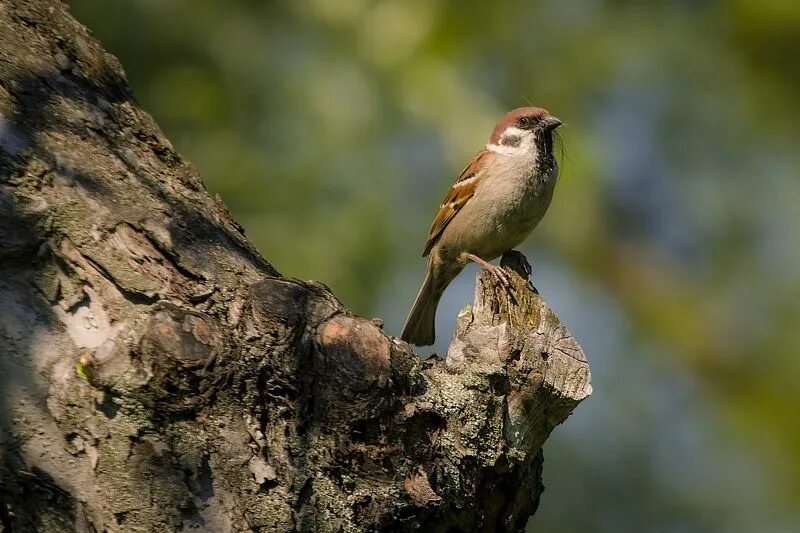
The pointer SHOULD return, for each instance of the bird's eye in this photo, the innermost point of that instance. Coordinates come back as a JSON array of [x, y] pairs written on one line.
[[526, 122]]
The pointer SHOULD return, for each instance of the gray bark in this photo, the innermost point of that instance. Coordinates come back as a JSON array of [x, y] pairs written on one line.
[[157, 374]]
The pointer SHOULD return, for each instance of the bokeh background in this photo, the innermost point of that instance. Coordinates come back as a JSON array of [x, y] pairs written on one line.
[[332, 128]]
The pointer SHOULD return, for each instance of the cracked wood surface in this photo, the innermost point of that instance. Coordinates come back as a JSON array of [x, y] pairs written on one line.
[[157, 374]]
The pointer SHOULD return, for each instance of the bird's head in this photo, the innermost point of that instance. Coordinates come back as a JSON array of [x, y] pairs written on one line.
[[526, 131]]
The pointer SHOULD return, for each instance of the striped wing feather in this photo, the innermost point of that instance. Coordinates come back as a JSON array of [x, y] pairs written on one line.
[[462, 190]]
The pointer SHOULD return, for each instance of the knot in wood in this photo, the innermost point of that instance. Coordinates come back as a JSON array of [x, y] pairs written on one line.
[[187, 337]]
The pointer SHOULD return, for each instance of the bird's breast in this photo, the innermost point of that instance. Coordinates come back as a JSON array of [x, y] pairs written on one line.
[[503, 211], [512, 208]]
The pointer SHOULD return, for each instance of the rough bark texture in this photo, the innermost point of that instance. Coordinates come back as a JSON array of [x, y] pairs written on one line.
[[156, 374]]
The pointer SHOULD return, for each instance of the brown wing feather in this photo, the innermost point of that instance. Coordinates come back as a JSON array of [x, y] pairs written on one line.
[[457, 196]]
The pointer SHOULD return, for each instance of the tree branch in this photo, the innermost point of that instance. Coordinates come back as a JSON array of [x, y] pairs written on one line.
[[157, 373]]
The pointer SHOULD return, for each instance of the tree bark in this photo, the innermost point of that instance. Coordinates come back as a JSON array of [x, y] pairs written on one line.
[[157, 374]]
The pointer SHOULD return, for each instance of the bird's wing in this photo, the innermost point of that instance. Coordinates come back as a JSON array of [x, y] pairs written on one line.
[[459, 194]]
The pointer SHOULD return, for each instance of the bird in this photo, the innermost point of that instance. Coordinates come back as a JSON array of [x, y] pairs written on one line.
[[493, 205]]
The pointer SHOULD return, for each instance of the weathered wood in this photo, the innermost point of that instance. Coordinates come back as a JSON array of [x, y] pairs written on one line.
[[156, 373]]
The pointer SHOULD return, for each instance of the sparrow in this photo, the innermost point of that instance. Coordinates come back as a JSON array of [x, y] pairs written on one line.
[[494, 204]]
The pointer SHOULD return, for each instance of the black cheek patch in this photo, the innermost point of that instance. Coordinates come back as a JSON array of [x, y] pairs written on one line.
[[510, 140]]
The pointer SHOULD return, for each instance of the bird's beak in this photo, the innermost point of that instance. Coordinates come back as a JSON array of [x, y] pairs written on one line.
[[550, 123]]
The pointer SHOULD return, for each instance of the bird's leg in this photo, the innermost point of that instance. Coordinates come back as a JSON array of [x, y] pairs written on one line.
[[499, 274]]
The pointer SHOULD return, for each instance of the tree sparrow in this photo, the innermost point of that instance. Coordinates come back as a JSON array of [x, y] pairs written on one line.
[[493, 205]]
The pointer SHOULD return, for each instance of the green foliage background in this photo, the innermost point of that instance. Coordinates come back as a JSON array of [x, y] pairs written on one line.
[[332, 128]]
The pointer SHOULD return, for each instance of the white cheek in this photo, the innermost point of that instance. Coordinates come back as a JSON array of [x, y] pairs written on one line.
[[526, 146], [529, 144], [512, 130]]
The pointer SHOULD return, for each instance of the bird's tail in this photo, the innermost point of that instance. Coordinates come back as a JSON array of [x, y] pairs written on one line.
[[421, 322]]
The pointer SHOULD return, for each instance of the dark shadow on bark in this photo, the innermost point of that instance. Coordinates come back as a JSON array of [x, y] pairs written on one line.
[[34, 116], [31, 499]]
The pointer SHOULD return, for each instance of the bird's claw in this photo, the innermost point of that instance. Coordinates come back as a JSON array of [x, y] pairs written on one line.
[[500, 274], [502, 277]]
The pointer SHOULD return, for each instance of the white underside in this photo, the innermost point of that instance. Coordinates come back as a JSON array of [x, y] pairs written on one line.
[[506, 207]]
